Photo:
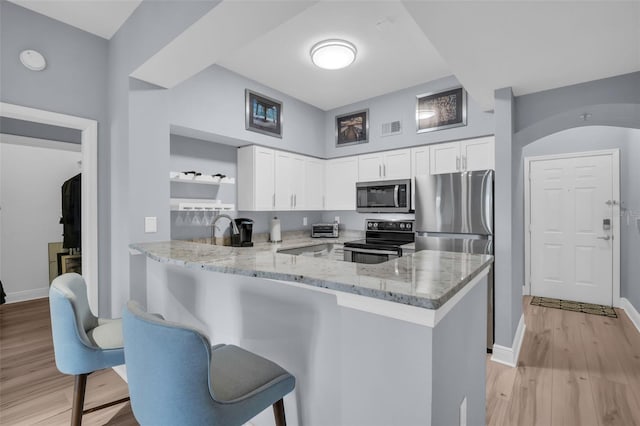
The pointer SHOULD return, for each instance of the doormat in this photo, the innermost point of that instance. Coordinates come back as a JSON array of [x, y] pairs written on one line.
[[568, 305]]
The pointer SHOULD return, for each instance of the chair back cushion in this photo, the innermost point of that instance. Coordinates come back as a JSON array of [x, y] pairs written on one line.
[[167, 370], [71, 319]]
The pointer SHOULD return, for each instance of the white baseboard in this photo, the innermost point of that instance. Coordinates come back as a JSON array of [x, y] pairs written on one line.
[[631, 312], [509, 356], [22, 296], [121, 370]]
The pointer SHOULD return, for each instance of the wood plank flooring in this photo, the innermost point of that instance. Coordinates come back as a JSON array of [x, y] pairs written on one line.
[[32, 390], [574, 369]]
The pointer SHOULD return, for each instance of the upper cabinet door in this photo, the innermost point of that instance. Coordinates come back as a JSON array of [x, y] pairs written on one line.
[[419, 167], [314, 183], [463, 156], [256, 178], [297, 182], [445, 158], [385, 165], [478, 154], [370, 167], [283, 171], [341, 176], [397, 164]]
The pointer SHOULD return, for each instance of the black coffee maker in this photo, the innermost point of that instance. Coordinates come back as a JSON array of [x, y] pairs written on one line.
[[243, 237]]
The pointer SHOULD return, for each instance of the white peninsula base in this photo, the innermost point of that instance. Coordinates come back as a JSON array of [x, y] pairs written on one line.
[[351, 367]]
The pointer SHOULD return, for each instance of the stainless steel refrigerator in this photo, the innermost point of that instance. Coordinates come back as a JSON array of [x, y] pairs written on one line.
[[454, 212]]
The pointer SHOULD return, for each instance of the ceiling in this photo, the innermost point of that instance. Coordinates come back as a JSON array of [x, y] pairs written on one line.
[[100, 17], [527, 45]]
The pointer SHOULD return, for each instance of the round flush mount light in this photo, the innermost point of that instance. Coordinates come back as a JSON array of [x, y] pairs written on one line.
[[33, 60], [333, 54]]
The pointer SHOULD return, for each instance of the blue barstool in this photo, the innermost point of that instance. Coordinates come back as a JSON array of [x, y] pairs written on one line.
[[82, 343], [177, 378]]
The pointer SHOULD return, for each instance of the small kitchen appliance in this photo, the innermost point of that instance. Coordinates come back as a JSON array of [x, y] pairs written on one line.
[[324, 230], [383, 241], [245, 229], [391, 196]]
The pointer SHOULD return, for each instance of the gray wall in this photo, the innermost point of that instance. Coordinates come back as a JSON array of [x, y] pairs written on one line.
[[74, 83], [612, 102], [139, 150], [11, 126], [213, 102], [593, 138], [401, 105]]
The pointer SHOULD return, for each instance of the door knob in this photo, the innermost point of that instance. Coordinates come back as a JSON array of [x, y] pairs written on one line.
[[606, 238]]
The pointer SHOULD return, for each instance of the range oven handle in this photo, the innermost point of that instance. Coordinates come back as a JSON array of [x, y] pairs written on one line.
[[396, 190], [370, 251]]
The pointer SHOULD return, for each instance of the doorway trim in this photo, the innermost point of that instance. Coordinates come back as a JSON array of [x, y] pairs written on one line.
[[89, 189], [615, 169]]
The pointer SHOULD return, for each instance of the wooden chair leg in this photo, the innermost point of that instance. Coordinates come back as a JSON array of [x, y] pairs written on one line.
[[78, 399], [278, 413]]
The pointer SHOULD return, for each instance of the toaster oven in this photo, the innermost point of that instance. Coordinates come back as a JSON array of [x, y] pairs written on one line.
[[324, 230]]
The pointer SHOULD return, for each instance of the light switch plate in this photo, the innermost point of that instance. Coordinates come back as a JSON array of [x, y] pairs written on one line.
[[150, 224]]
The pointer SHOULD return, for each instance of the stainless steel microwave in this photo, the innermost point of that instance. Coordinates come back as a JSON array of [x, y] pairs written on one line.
[[391, 196]]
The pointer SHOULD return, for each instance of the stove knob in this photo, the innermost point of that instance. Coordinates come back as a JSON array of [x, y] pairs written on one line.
[[402, 226], [375, 225], [409, 226], [369, 225]]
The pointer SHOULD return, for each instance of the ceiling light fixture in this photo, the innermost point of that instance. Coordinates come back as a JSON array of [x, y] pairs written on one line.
[[33, 60], [333, 54]]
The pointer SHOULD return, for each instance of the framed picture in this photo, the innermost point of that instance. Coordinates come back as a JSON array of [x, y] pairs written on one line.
[[263, 114], [71, 263], [441, 110], [352, 128]]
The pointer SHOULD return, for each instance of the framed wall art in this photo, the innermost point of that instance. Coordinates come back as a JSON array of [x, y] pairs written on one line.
[[352, 128], [263, 114], [441, 110]]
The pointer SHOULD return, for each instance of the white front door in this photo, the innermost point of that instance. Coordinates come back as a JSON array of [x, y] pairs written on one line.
[[571, 211]]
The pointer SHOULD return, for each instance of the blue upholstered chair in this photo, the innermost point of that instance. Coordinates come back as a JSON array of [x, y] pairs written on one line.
[[82, 343], [177, 378]]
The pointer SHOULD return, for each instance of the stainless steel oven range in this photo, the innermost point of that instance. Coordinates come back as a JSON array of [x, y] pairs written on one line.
[[383, 241]]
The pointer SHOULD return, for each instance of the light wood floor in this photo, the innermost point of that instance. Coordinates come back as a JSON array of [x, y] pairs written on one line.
[[574, 369], [32, 390]]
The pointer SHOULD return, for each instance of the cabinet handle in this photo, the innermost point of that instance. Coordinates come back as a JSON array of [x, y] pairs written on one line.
[[384, 170], [323, 202], [457, 163], [464, 162], [295, 200], [274, 199], [379, 170]]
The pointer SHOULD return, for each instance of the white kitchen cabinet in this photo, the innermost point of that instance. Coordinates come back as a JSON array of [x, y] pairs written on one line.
[[461, 156], [256, 178], [289, 181], [419, 167], [340, 189], [387, 165], [314, 177]]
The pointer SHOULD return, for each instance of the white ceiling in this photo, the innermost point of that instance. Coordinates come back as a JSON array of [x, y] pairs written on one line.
[[528, 45], [100, 17]]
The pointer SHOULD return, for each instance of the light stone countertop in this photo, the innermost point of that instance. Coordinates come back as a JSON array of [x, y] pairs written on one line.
[[426, 279]]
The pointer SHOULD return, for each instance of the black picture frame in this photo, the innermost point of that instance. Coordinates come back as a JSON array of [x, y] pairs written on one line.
[[441, 110], [263, 114], [352, 128]]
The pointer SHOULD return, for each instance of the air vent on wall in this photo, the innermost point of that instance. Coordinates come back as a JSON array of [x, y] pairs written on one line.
[[392, 128]]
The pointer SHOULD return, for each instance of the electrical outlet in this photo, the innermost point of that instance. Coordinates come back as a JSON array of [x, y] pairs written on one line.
[[463, 412], [304, 221], [336, 219]]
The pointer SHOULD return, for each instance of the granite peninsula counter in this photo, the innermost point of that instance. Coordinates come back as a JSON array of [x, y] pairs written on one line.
[[401, 342]]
